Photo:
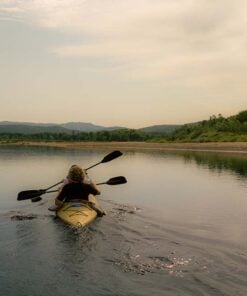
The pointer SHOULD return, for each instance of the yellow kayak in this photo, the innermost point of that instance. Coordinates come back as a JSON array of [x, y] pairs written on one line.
[[78, 213]]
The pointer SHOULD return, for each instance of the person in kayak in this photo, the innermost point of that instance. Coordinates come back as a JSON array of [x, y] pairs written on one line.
[[77, 187]]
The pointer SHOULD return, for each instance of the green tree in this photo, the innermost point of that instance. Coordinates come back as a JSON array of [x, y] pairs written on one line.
[[242, 116]]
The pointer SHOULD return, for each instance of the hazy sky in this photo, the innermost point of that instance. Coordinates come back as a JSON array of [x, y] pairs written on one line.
[[132, 63]]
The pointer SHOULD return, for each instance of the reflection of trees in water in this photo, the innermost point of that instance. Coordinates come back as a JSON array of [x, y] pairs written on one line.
[[219, 162], [21, 152]]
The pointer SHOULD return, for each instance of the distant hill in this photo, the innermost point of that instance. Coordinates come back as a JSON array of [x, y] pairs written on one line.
[[26, 123], [160, 129], [87, 127], [31, 129]]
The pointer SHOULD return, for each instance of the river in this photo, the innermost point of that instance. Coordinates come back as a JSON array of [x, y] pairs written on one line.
[[178, 227]]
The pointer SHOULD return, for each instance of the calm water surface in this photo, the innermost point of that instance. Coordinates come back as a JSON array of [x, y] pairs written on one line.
[[178, 227]]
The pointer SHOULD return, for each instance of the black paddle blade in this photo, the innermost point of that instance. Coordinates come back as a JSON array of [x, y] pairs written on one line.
[[36, 199], [111, 156], [29, 194], [116, 181]]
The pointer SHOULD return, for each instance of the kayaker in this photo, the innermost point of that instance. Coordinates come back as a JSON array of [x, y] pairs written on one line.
[[77, 187]]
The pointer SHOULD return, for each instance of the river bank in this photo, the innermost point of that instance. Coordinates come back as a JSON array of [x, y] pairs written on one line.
[[227, 147]]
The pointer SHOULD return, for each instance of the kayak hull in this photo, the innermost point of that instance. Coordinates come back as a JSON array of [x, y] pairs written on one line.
[[78, 213]]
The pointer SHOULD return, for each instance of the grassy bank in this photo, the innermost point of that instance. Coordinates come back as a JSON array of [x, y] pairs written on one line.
[[239, 147]]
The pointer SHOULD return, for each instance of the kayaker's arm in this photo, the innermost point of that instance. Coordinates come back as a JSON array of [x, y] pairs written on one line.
[[58, 203], [59, 200], [92, 186], [95, 189]]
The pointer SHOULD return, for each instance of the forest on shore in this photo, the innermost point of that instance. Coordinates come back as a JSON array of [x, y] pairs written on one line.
[[215, 129]]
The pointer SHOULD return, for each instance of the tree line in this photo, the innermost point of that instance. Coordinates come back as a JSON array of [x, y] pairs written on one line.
[[115, 135], [216, 129]]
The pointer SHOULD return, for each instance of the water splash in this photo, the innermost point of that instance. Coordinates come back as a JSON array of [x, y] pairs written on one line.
[[20, 217], [121, 210], [174, 265]]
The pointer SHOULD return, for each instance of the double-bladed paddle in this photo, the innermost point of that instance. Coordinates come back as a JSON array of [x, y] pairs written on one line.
[[113, 181], [29, 194]]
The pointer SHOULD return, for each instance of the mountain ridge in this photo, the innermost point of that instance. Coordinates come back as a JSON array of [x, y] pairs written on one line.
[[70, 127]]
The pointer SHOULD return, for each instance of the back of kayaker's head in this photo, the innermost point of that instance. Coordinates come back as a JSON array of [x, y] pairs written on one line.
[[76, 173]]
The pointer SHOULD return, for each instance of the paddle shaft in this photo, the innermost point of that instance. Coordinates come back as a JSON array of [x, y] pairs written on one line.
[[113, 181], [93, 166], [53, 186]]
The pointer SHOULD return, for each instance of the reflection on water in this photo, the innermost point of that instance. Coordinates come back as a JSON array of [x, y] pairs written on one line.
[[178, 227], [219, 162]]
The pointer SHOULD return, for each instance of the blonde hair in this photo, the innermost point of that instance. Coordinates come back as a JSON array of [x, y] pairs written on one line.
[[76, 173]]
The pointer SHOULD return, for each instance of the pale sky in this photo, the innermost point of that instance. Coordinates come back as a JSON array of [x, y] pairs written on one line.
[[130, 63]]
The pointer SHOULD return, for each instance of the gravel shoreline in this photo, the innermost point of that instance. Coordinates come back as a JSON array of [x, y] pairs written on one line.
[[230, 147]]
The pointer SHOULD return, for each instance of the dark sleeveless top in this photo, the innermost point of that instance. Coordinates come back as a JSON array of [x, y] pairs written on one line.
[[76, 191]]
